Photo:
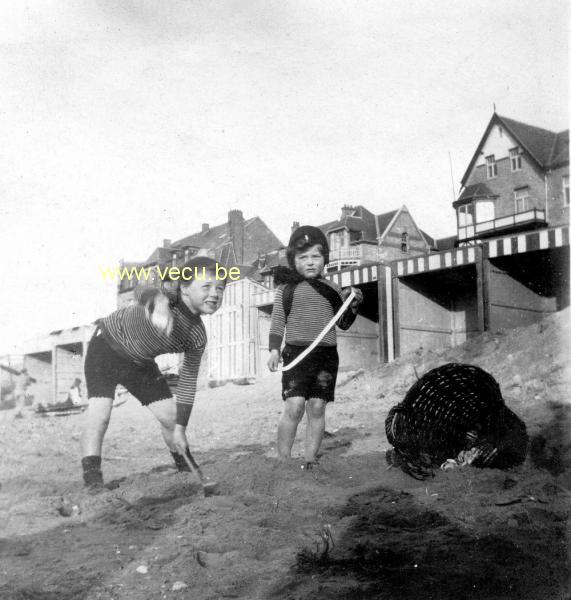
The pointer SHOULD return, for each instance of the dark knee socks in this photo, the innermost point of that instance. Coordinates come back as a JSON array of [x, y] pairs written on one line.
[[92, 470], [180, 462]]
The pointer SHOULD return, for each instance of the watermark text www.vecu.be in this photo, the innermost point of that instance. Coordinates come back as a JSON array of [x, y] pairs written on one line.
[[168, 273]]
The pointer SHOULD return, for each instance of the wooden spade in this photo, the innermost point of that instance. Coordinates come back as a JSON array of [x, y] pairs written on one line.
[[209, 488]]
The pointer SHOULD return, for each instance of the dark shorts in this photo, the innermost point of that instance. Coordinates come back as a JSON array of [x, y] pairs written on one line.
[[314, 376], [105, 369]]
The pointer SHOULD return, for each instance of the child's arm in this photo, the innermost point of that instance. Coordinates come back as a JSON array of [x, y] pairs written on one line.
[[185, 392], [157, 307], [348, 317], [277, 329]]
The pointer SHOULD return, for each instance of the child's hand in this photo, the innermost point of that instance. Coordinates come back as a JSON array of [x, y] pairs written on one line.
[[274, 360], [159, 313], [345, 293]]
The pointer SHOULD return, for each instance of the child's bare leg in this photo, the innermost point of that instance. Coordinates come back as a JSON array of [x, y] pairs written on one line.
[[97, 420], [315, 410], [165, 413], [287, 427]]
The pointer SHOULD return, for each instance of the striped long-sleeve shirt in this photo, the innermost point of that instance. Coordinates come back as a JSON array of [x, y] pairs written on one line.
[[130, 333], [309, 314]]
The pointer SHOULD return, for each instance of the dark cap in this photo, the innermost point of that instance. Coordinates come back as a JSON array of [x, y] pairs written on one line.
[[305, 237]]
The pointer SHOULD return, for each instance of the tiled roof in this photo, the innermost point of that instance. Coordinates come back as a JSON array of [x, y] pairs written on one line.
[[361, 220], [159, 255], [217, 241], [429, 239], [545, 146], [478, 190], [385, 219], [446, 243], [213, 238], [560, 154]]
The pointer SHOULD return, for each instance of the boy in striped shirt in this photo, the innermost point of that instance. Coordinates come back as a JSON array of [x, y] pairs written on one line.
[[123, 349], [303, 305]]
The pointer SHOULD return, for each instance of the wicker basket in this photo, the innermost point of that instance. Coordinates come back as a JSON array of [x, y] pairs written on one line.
[[453, 408]]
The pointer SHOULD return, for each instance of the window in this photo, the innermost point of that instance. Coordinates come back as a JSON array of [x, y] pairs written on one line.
[[465, 215], [485, 211], [565, 179], [336, 240], [491, 166], [522, 201], [515, 159], [404, 242]]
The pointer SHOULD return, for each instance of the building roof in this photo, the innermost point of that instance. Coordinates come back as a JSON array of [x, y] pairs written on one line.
[[544, 145], [212, 238], [159, 255], [446, 243], [478, 190], [356, 219], [429, 239], [384, 220], [547, 148], [217, 241]]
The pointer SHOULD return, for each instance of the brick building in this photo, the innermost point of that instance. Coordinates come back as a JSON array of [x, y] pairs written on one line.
[[518, 179]]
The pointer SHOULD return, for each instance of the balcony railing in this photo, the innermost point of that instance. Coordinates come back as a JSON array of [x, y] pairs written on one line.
[[359, 252], [490, 228], [351, 256]]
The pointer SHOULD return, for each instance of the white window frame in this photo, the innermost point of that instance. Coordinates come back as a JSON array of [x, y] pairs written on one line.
[[491, 167], [463, 210], [515, 159], [565, 186], [337, 240], [523, 196]]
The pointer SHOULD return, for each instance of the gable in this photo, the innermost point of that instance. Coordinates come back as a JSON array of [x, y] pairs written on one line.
[[544, 147], [499, 143], [404, 223]]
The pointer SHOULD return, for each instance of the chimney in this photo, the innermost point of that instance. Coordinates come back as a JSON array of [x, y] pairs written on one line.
[[236, 231], [167, 243], [294, 226], [347, 211], [205, 228]]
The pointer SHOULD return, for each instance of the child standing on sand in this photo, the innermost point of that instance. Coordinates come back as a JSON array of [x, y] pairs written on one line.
[[304, 303], [123, 349]]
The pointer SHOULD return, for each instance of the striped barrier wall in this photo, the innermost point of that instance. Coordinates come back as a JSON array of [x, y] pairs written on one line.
[[527, 242], [345, 278], [514, 244], [433, 262]]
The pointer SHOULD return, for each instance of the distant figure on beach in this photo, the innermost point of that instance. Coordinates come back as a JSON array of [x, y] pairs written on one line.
[[305, 302], [74, 394], [123, 349], [22, 383]]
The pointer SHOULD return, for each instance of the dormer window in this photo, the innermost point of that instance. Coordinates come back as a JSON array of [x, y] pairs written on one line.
[[404, 242], [515, 159], [491, 166]]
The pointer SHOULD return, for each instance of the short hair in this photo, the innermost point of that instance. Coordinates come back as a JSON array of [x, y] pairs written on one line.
[[200, 264]]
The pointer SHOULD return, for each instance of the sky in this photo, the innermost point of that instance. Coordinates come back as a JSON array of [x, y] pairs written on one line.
[[126, 122]]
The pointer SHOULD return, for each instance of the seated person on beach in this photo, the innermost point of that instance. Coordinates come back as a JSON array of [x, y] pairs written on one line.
[[123, 349], [304, 303], [74, 394]]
